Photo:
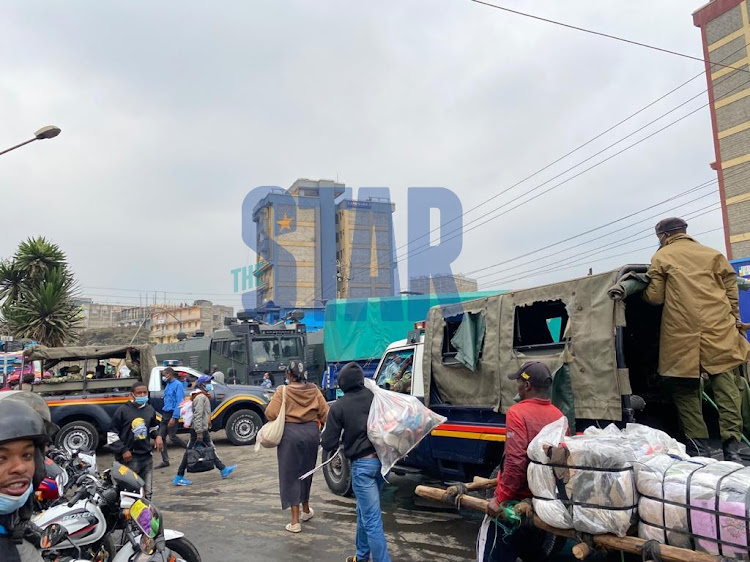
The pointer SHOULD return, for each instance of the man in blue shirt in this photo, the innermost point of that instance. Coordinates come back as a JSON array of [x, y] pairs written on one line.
[[174, 394]]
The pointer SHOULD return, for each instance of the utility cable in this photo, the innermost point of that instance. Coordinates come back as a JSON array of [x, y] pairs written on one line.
[[602, 34]]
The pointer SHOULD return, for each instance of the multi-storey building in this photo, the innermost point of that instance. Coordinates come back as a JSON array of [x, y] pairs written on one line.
[[311, 248], [169, 321], [725, 31], [442, 284]]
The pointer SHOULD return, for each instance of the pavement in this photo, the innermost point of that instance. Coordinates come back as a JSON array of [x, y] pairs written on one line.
[[240, 518]]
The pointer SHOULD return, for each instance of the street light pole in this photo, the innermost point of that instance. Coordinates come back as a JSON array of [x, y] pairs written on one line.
[[48, 132]]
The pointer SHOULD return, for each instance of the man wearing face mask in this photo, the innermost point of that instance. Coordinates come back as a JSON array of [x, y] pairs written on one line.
[[134, 425], [523, 422], [174, 394], [200, 430], [23, 437], [700, 333]]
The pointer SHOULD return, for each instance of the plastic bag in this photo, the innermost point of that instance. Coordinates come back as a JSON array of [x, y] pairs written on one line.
[[696, 503], [186, 412], [587, 482], [396, 424]]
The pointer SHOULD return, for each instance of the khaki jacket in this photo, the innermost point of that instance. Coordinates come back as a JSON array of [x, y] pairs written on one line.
[[698, 289]]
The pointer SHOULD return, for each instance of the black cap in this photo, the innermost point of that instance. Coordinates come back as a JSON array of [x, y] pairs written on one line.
[[536, 373], [671, 224]]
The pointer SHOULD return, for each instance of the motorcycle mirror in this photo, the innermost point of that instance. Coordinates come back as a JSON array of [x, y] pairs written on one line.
[[53, 535]]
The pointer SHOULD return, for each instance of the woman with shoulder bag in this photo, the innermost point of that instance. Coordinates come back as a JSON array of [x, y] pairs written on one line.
[[305, 412], [201, 423]]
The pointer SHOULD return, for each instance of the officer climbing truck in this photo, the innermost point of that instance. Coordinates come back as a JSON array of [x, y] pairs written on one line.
[[83, 407], [596, 334], [244, 349]]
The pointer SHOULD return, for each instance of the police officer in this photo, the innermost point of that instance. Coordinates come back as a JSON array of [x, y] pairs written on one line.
[[23, 437], [700, 333]]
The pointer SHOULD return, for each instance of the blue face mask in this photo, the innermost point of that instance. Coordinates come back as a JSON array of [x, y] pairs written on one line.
[[11, 504], [141, 400], [209, 387], [164, 379]]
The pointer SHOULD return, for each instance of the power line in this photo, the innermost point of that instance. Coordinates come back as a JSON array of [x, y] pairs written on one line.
[[578, 245], [463, 231], [602, 34], [629, 252], [502, 192], [583, 256]]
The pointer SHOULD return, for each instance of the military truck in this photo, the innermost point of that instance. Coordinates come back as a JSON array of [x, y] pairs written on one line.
[[596, 334], [83, 407], [243, 350]]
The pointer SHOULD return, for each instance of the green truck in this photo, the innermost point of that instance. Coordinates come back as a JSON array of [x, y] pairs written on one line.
[[243, 350]]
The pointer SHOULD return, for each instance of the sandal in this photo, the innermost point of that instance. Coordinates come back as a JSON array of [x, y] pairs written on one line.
[[296, 528]]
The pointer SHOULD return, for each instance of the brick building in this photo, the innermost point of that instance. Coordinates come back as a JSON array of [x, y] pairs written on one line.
[[202, 315], [725, 32]]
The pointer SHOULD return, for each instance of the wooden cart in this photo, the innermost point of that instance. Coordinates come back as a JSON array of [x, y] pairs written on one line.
[[583, 549]]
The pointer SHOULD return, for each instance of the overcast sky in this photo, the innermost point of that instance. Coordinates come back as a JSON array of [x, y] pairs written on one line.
[[172, 111]]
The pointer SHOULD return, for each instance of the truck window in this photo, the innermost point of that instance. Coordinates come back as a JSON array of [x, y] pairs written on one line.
[[265, 351], [394, 362], [463, 340], [291, 348], [540, 325]]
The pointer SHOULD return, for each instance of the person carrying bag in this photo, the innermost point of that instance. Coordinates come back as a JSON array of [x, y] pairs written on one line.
[[296, 413], [271, 433], [200, 454]]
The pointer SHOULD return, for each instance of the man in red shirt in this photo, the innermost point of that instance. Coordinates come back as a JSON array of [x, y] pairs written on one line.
[[523, 422]]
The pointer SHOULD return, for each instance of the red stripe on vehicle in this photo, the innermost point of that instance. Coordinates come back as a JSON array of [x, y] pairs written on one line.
[[472, 428]]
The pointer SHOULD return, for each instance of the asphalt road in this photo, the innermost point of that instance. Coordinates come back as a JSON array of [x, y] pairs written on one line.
[[240, 518]]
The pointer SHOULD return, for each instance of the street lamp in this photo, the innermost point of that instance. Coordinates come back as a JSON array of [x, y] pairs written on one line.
[[48, 132]]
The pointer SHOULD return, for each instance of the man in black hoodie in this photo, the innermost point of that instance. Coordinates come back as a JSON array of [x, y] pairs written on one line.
[[134, 425], [348, 415]]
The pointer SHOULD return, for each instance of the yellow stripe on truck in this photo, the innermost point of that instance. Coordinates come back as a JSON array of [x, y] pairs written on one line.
[[234, 399], [468, 435]]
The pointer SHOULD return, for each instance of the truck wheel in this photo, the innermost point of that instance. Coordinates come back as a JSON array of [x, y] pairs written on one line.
[[77, 436], [242, 427], [338, 474]]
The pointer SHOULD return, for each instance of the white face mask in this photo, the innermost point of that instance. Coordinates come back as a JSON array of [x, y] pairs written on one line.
[[11, 504]]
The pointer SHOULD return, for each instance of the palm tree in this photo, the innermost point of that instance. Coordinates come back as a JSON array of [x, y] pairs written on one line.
[[36, 256], [39, 292]]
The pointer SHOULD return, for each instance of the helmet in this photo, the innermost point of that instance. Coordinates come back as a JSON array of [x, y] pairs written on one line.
[[203, 379], [20, 421]]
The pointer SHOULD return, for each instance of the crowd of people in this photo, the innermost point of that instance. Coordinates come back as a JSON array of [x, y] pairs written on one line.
[[689, 280]]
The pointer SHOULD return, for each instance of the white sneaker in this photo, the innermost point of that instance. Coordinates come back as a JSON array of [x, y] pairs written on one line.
[[307, 516]]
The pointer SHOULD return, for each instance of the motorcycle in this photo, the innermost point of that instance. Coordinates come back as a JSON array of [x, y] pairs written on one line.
[[62, 471], [100, 509], [148, 539]]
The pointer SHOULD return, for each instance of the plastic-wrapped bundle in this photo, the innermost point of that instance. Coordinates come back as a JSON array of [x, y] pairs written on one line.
[[396, 424], [586, 482], [684, 502]]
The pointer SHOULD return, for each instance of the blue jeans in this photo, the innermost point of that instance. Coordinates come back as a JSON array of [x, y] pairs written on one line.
[[367, 483]]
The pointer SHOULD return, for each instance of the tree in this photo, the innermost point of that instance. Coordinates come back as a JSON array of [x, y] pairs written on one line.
[[38, 294]]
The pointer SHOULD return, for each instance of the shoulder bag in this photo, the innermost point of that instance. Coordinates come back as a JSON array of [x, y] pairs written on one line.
[[270, 434]]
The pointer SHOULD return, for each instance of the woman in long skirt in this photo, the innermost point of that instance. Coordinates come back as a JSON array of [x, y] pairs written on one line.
[[305, 413]]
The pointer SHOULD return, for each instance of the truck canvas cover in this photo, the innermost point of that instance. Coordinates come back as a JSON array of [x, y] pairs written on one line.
[[384, 320], [50, 356], [579, 318]]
